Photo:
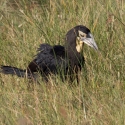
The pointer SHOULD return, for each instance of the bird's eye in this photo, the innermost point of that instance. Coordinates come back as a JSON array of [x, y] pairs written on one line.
[[81, 34]]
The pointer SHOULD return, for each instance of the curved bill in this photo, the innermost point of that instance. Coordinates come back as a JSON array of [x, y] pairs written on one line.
[[89, 40]]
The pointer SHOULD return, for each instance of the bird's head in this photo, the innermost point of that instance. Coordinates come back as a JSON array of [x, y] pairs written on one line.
[[80, 35]]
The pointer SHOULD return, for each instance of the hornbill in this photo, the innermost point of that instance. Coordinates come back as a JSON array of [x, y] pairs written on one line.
[[65, 60]]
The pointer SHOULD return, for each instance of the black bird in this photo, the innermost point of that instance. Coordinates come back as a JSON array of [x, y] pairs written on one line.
[[65, 60]]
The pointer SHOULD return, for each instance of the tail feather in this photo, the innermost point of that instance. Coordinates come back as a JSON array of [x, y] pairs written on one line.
[[14, 71]]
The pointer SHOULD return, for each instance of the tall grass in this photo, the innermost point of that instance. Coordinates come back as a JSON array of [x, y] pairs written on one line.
[[26, 24]]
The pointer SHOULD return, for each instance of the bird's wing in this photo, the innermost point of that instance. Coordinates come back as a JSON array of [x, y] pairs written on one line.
[[48, 59], [40, 59]]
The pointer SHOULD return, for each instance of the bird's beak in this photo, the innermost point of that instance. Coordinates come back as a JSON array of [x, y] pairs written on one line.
[[89, 40]]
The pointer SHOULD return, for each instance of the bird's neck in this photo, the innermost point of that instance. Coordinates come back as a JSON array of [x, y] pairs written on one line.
[[74, 48], [72, 52]]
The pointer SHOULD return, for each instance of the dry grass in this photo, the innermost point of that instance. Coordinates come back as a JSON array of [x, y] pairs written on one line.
[[26, 24]]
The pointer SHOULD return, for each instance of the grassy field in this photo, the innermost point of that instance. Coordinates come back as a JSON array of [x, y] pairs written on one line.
[[26, 24]]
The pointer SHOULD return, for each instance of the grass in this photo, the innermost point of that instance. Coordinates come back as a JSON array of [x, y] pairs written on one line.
[[26, 24]]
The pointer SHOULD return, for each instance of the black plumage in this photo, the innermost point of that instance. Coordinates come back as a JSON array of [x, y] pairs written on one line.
[[65, 60]]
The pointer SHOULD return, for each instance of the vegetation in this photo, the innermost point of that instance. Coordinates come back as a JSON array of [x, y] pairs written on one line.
[[100, 101]]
